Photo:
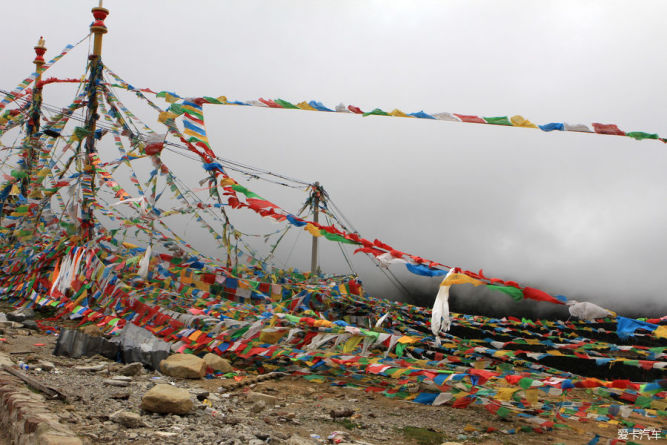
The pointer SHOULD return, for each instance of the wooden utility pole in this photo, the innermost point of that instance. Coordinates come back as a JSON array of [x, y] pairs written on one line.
[[98, 28], [316, 212], [32, 127]]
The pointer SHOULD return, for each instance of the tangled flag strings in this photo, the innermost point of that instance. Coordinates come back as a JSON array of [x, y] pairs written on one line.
[[191, 110], [511, 121]]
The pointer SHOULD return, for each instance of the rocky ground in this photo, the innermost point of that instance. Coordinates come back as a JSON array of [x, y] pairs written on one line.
[[104, 405]]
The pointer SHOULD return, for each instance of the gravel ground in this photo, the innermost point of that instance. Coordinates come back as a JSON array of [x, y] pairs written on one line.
[[289, 410]]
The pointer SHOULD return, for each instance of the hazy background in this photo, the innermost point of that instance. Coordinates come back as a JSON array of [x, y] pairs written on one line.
[[575, 214]]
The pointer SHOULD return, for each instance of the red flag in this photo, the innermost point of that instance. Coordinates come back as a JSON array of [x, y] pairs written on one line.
[[539, 295]]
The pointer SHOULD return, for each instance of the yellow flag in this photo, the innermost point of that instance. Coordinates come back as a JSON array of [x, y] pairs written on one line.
[[661, 332], [304, 106], [272, 335], [312, 229], [352, 343], [35, 194], [459, 278], [169, 98], [480, 364], [531, 395], [165, 116], [505, 394], [519, 121], [408, 339], [227, 181], [83, 295], [398, 113]]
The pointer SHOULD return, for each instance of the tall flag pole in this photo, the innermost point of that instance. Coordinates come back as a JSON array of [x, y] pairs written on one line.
[[316, 195], [98, 28], [32, 125]]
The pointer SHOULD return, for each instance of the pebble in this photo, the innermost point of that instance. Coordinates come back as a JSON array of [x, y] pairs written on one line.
[[114, 382], [95, 368], [121, 378], [122, 395], [46, 365], [258, 406], [127, 419], [202, 395]]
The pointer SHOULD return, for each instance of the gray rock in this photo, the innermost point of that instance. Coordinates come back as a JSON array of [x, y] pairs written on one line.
[[95, 368], [113, 382], [258, 406], [121, 395], [21, 314], [270, 400], [342, 412], [202, 395], [127, 419], [298, 440], [131, 369], [5, 360], [122, 378], [165, 434], [8, 326], [30, 324], [46, 365]]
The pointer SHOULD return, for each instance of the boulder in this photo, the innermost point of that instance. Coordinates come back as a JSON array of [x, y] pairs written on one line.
[[217, 363], [131, 369], [30, 324], [185, 366], [127, 419], [21, 314], [167, 399]]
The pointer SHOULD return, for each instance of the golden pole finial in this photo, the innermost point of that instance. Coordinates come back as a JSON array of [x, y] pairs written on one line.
[[98, 28], [40, 50]]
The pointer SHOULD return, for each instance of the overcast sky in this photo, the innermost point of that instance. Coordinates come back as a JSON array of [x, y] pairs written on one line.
[[575, 214]]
